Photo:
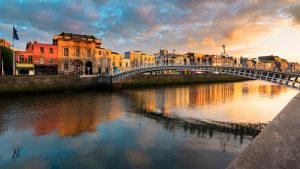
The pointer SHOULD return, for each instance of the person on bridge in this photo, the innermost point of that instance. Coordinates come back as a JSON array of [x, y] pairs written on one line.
[[241, 62], [184, 60], [210, 61], [254, 63], [198, 60], [204, 60], [234, 62], [277, 66]]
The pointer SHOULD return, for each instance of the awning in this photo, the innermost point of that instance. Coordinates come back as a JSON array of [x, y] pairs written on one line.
[[24, 65]]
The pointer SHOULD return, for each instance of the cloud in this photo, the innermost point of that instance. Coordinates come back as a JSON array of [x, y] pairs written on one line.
[[149, 25], [294, 11]]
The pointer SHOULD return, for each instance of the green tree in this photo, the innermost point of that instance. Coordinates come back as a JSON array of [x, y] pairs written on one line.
[[7, 55]]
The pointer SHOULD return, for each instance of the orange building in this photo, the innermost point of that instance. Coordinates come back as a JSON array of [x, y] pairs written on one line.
[[77, 53]]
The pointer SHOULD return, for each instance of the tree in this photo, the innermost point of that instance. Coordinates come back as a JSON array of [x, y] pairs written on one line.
[[7, 55]]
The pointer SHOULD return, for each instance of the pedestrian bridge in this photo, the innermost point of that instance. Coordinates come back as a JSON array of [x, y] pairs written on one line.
[[288, 79]]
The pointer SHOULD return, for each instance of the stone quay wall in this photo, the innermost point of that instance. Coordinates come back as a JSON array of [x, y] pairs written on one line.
[[46, 83], [39, 83], [175, 79]]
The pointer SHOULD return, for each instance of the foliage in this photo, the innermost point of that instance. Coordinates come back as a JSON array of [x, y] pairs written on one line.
[[7, 55]]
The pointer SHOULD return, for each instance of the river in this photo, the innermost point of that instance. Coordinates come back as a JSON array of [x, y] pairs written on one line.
[[190, 126]]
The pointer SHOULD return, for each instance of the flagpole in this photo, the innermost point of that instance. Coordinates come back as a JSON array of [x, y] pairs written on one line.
[[14, 64]]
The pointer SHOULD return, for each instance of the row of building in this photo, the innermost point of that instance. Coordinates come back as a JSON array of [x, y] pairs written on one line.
[[82, 54], [75, 54]]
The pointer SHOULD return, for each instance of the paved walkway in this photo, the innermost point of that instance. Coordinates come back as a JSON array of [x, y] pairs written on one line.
[[278, 145]]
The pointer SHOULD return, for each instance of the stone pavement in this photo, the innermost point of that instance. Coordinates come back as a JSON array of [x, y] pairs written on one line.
[[278, 145]]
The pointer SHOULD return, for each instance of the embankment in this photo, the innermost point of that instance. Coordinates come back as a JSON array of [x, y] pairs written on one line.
[[144, 80], [45, 83]]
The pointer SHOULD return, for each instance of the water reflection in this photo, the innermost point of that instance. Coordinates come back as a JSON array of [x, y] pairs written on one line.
[[67, 115], [204, 128], [250, 101], [176, 127]]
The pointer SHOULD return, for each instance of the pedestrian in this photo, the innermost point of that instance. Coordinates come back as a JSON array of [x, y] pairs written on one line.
[[277, 66], [241, 62], [204, 61], [254, 63], [198, 60], [210, 61], [234, 62]]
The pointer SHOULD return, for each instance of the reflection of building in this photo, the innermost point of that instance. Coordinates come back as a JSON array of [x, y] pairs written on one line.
[[164, 100], [76, 53], [70, 118]]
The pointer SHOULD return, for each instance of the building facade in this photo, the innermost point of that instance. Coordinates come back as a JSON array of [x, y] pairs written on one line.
[[140, 59], [24, 63], [5, 43], [44, 57], [77, 53]]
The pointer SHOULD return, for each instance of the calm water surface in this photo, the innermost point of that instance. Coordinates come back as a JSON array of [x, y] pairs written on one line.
[[192, 126]]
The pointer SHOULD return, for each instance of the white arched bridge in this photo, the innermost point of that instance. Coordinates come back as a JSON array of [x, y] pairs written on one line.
[[288, 79]]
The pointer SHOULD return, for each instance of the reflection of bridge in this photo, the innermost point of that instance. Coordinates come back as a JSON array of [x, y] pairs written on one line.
[[287, 79]]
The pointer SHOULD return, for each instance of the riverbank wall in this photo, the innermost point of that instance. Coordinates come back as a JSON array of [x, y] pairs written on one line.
[[45, 83], [146, 80], [66, 83]]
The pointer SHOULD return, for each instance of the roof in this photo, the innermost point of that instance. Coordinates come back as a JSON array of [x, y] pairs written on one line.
[[266, 58], [73, 35]]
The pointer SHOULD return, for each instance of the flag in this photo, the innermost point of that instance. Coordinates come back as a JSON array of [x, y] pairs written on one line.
[[15, 36]]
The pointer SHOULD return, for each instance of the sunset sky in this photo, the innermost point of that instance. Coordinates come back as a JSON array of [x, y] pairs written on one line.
[[248, 28]]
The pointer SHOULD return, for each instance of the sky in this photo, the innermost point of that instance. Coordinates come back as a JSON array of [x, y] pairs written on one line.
[[248, 28]]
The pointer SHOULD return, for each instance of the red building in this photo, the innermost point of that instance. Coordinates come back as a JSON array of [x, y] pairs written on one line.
[[44, 57]]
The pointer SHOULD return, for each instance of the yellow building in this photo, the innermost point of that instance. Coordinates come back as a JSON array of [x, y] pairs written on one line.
[[140, 59], [103, 58], [77, 53]]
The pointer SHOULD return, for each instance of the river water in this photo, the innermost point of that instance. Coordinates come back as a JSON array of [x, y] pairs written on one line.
[[190, 126]]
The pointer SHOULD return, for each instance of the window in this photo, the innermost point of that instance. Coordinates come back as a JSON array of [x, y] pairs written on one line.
[[41, 60], [66, 66], [99, 52], [51, 61], [126, 64], [41, 49], [106, 52], [113, 63], [66, 51], [89, 52], [21, 58], [30, 59], [50, 50], [77, 52], [120, 64]]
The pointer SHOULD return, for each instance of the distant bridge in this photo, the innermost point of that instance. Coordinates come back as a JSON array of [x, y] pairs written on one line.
[[288, 79]]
